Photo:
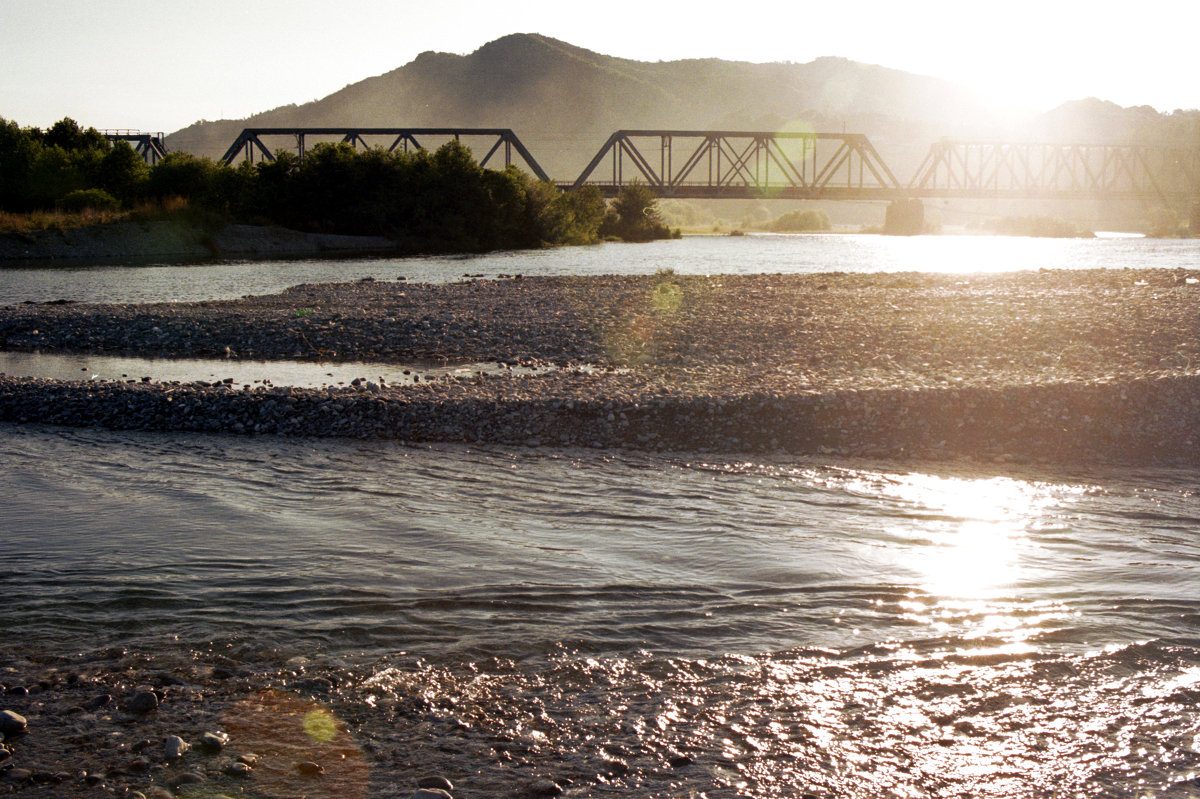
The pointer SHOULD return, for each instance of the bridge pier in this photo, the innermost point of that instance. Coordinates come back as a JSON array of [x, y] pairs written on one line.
[[904, 218]]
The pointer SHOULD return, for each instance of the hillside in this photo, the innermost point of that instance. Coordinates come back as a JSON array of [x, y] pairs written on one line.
[[564, 101]]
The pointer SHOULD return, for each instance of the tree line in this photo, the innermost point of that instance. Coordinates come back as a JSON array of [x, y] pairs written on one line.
[[440, 200]]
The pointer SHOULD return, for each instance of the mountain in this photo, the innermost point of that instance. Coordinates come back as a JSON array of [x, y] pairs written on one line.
[[564, 101]]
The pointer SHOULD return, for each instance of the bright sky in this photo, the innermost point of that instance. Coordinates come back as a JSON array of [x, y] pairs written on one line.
[[163, 64]]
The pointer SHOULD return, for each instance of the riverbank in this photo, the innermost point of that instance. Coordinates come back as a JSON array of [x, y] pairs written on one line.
[[1101, 365], [173, 241]]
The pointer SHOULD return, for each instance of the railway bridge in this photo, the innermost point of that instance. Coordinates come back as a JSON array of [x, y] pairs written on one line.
[[727, 164]]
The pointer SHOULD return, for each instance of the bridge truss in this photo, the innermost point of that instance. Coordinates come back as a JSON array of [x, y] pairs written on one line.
[[494, 141], [701, 164], [957, 169], [148, 145], [739, 164]]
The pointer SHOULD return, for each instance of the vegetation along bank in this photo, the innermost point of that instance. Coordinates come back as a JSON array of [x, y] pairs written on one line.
[[420, 201]]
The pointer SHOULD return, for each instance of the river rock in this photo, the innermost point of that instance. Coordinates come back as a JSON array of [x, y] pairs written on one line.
[[175, 747], [237, 769], [12, 723], [431, 793], [99, 701], [435, 781], [310, 769], [143, 702], [18, 774], [213, 742], [187, 778], [543, 787]]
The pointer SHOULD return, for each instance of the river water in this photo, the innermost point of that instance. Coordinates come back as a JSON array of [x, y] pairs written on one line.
[[719, 625]]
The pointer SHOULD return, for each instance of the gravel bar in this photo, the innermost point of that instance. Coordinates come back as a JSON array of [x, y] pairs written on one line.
[[1060, 366]]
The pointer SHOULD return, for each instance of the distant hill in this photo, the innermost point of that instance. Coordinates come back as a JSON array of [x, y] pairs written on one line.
[[563, 102]]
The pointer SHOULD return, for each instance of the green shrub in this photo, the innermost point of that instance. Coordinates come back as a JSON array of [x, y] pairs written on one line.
[[801, 221], [94, 199]]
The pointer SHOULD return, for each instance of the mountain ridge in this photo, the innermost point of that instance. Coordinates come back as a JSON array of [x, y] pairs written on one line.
[[563, 101]]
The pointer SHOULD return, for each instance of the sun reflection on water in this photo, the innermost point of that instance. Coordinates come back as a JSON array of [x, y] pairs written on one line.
[[969, 544], [976, 531]]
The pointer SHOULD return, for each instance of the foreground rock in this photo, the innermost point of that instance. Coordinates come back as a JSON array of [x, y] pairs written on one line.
[[1054, 366]]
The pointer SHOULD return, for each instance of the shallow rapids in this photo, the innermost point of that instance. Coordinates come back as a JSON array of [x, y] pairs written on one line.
[[649, 625]]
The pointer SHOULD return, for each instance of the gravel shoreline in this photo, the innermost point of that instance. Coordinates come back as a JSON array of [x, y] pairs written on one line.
[[122, 242], [1061, 366]]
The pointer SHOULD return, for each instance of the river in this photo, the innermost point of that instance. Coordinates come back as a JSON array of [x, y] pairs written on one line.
[[720, 625]]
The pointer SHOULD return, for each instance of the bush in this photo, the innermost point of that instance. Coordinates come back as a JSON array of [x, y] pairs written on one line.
[[1049, 227], [634, 216], [801, 221], [93, 199]]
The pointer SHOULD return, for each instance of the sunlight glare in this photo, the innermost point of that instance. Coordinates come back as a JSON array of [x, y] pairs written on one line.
[[978, 530]]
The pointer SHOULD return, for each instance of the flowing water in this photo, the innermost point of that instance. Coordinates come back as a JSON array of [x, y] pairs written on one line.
[[758, 253], [642, 624]]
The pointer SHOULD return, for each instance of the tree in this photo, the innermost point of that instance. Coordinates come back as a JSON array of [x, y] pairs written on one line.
[[67, 134], [184, 175], [634, 215], [123, 173], [18, 152]]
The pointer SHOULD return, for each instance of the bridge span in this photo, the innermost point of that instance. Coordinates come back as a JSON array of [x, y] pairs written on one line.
[[726, 164]]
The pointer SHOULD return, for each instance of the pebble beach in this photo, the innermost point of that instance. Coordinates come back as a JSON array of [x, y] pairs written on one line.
[[1059, 366]]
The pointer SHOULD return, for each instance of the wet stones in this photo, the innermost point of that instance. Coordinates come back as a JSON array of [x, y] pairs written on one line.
[[431, 793], [12, 723], [142, 702], [175, 747], [901, 365], [436, 783], [213, 742]]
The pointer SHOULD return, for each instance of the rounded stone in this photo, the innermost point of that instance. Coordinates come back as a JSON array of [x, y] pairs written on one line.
[[213, 742], [12, 723], [435, 781], [544, 787], [310, 769], [143, 702], [175, 747], [431, 793], [187, 778]]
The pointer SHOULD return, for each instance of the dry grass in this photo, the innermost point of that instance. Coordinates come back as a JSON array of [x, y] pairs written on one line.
[[61, 220], [56, 220]]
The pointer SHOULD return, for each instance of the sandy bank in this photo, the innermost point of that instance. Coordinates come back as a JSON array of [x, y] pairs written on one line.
[[1059, 366], [171, 241]]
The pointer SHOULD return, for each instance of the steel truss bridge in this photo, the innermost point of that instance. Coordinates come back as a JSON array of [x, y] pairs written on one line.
[[712, 164], [149, 146], [251, 139]]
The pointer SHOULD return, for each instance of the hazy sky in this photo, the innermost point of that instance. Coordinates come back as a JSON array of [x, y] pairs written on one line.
[[163, 64]]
